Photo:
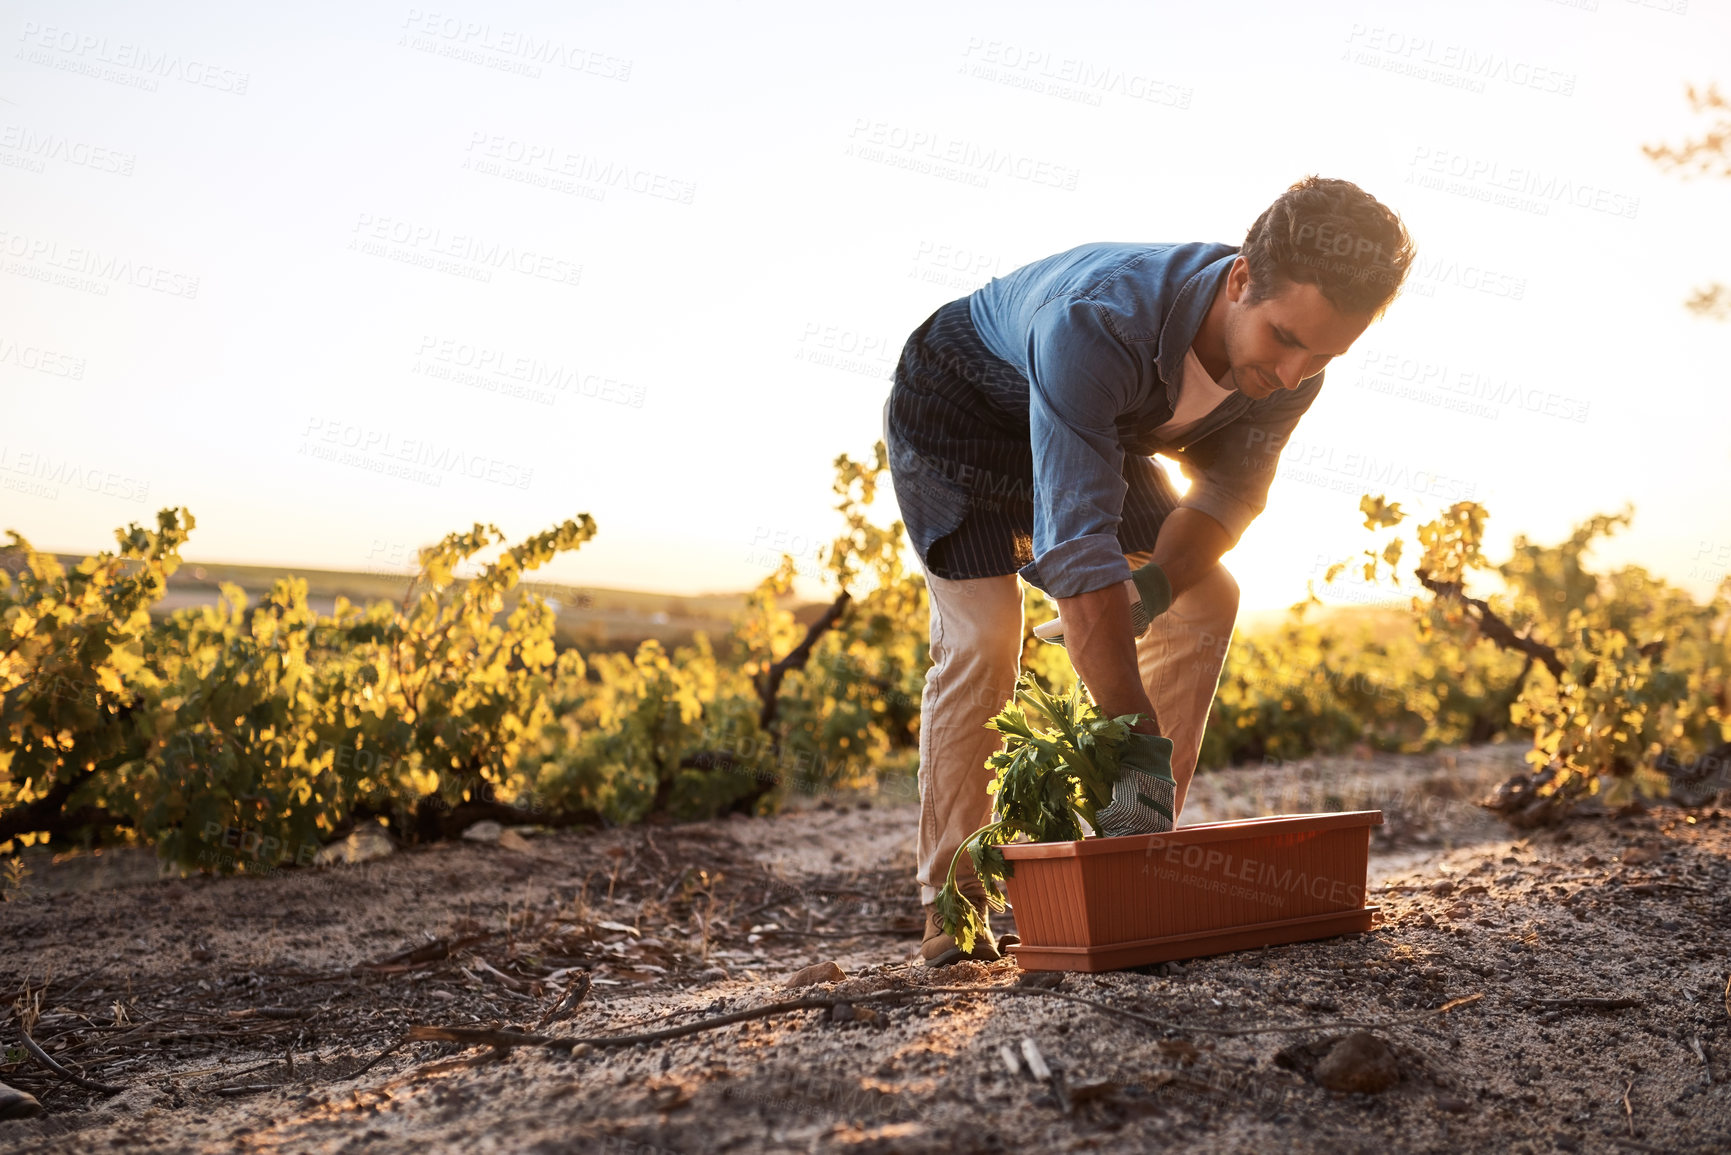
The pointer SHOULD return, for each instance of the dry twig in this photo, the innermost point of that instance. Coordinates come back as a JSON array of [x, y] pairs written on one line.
[[1594, 1004], [44, 1059], [476, 1036]]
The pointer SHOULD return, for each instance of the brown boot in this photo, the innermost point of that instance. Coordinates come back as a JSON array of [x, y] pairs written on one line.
[[940, 949]]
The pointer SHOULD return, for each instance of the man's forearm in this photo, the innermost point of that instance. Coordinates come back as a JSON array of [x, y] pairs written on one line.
[[1097, 623], [1190, 544], [1097, 635]]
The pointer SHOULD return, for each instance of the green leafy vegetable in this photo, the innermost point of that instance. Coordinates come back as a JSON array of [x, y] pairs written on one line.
[[1058, 765]]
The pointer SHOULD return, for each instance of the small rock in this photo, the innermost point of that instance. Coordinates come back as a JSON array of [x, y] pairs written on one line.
[[16, 1104], [364, 845], [1639, 856], [841, 1013], [511, 840], [488, 831], [823, 972], [1452, 1104], [1360, 1062], [1444, 887]]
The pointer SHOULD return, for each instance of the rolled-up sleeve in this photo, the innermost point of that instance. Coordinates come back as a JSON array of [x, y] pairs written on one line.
[[1080, 378], [1232, 468]]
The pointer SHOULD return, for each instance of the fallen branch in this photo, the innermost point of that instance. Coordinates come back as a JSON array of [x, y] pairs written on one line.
[[1639, 1146], [481, 1036], [380, 1057], [1596, 1004], [44, 1059], [440, 1068], [1203, 1028], [863, 932]]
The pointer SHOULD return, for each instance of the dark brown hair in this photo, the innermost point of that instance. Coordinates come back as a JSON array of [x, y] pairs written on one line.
[[1334, 235]]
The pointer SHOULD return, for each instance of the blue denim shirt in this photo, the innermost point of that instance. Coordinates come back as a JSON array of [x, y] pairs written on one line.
[[1100, 333]]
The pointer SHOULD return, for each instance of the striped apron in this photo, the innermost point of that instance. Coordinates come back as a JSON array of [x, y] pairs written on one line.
[[956, 427]]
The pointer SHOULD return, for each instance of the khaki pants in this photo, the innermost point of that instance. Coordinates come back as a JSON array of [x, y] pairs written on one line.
[[976, 644]]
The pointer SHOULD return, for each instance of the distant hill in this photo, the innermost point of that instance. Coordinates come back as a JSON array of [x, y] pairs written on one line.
[[590, 617], [595, 618]]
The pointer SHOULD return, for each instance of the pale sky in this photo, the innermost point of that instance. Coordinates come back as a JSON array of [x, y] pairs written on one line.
[[654, 262]]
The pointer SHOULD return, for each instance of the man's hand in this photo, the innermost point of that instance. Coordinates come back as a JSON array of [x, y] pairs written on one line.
[[1144, 795]]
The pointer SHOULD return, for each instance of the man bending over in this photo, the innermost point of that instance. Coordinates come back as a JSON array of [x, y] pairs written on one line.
[[1020, 427]]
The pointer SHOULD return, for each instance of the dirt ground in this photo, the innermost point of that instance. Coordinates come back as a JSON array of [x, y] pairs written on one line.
[[257, 1014]]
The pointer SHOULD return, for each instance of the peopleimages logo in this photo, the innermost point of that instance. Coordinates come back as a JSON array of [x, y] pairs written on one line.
[[419, 460], [49, 472], [1454, 65], [535, 162], [1429, 272], [36, 148], [517, 374], [1423, 379], [1517, 186], [40, 360], [93, 55], [1065, 77], [1224, 869], [507, 49], [952, 158], [462, 254], [92, 268]]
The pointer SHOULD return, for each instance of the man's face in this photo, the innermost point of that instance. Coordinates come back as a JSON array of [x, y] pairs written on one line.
[[1277, 342]]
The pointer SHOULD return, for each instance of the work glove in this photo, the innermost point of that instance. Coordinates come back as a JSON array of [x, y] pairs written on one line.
[[1145, 792], [1150, 596]]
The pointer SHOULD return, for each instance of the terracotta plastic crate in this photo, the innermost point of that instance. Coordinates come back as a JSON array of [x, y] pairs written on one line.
[[1104, 903]]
